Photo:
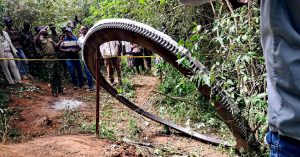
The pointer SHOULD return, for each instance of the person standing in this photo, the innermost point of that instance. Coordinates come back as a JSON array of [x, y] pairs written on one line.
[[9, 67], [71, 48], [28, 47], [83, 31], [61, 55], [47, 46], [110, 53], [76, 21], [126, 48], [137, 61], [15, 39], [148, 59]]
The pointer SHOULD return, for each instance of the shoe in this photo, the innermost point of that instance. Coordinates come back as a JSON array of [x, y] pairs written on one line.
[[62, 92], [90, 89], [29, 76], [24, 77], [75, 88], [86, 87]]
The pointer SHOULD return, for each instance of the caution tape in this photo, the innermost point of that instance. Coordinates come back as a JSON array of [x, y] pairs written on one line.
[[55, 59]]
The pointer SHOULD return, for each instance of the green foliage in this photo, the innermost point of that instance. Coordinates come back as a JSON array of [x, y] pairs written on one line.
[[71, 122], [133, 127], [106, 125], [40, 12], [4, 116], [106, 130], [239, 65], [231, 50], [127, 89], [167, 15]]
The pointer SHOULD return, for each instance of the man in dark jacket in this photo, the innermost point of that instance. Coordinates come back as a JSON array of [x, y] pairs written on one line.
[[27, 43]]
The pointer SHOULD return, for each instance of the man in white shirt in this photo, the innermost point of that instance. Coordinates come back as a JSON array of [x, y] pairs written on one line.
[[110, 53], [9, 67], [83, 31]]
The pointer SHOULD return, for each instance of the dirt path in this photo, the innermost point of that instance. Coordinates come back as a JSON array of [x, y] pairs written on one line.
[[67, 146], [46, 123]]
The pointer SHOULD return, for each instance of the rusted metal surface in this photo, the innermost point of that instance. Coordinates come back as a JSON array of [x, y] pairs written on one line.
[[168, 49], [97, 92]]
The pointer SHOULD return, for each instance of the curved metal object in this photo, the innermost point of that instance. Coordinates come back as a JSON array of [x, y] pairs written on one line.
[[168, 49]]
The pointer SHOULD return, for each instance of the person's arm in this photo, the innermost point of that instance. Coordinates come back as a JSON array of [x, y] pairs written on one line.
[[38, 36], [57, 45], [77, 48]]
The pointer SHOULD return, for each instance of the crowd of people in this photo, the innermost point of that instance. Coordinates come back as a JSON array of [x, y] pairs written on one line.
[[61, 54]]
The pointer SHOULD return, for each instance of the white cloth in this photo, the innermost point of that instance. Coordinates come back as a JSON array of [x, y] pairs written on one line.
[[127, 46], [9, 67], [135, 48], [80, 41], [6, 36], [109, 49]]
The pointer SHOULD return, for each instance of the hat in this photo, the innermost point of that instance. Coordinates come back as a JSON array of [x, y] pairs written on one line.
[[68, 30], [51, 25], [39, 28], [7, 19]]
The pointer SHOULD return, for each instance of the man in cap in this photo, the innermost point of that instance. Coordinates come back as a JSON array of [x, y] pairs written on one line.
[[56, 38], [47, 47], [110, 52], [71, 48]]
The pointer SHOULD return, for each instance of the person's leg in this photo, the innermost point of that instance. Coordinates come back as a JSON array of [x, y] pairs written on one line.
[[20, 67], [143, 64], [109, 69], [117, 66], [148, 60], [79, 73], [58, 76], [52, 77], [24, 62], [137, 68], [71, 68], [141, 60], [4, 66], [13, 68], [282, 146], [89, 77]]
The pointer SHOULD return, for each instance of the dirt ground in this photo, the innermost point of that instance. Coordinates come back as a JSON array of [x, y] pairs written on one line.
[[67, 146], [45, 131]]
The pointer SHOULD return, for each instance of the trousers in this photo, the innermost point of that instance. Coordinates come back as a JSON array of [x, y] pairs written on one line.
[[23, 64], [74, 67], [111, 63], [9, 68], [282, 146]]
